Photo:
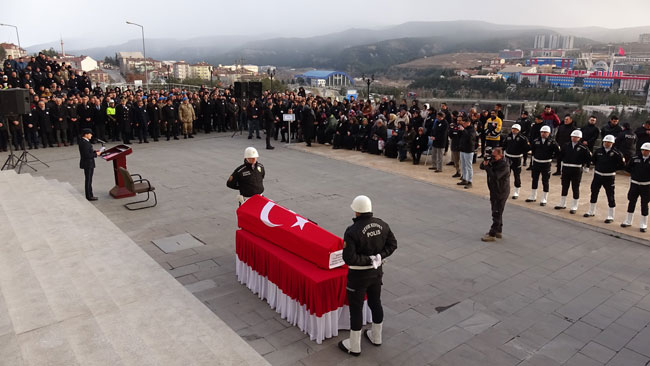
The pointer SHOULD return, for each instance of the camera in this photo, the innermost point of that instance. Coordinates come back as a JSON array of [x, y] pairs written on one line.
[[488, 154]]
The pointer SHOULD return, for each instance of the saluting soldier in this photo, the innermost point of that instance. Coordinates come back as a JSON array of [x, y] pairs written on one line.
[[574, 156], [639, 169], [516, 148], [544, 149]]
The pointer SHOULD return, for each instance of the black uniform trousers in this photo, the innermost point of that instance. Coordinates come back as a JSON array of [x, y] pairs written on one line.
[[545, 170], [515, 167], [498, 204], [634, 193], [607, 182], [30, 136], [88, 182], [571, 177], [361, 283]]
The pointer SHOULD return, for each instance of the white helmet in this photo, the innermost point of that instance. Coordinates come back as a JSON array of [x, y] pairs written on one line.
[[361, 204], [516, 126], [609, 138], [645, 146], [576, 133], [545, 129], [251, 152]]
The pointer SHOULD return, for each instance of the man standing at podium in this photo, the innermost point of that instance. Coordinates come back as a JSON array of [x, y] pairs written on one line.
[[87, 162], [365, 244], [248, 178]]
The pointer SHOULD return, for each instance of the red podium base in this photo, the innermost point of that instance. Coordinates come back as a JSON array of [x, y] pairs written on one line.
[[120, 192]]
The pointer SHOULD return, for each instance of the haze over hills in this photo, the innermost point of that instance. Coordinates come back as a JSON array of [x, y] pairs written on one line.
[[364, 50]]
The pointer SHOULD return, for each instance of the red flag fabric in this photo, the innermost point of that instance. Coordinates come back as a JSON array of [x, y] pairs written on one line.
[[286, 229]]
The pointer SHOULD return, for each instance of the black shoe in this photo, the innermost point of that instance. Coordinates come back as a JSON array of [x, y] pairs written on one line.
[[185, 137], [139, 142], [557, 173], [542, 204], [529, 168], [457, 175], [529, 200], [572, 212], [155, 140], [643, 230], [259, 138], [270, 147], [146, 141], [92, 198], [168, 139], [468, 185], [346, 350], [432, 168], [191, 136], [450, 163], [250, 137], [462, 183], [175, 137], [560, 207], [608, 221], [588, 215]]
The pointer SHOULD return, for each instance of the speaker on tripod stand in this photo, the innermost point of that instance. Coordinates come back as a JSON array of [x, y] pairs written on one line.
[[15, 102]]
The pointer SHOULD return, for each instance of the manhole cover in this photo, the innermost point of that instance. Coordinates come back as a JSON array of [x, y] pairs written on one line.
[[176, 243]]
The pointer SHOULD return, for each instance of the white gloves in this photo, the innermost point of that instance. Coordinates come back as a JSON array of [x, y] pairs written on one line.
[[102, 149], [376, 261]]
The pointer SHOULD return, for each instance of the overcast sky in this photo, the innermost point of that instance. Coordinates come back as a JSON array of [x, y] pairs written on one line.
[[103, 22]]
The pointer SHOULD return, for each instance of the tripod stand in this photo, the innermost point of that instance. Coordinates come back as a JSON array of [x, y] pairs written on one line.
[[14, 162], [239, 122]]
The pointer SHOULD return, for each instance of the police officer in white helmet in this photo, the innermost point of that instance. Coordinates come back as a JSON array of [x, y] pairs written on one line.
[[607, 160], [574, 156], [365, 244], [544, 149], [639, 169], [248, 178]]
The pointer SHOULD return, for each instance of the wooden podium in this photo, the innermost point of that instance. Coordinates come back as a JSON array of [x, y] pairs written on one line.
[[117, 155]]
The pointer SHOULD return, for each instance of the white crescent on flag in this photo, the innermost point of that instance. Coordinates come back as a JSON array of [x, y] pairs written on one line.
[[264, 215]]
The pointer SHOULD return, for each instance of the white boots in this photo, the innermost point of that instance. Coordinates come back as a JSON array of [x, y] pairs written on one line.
[[574, 206], [544, 199], [628, 220], [352, 345], [644, 224], [610, 215], [516, 194], [562, 204], [592, 210], [374, 334], [533, 196]]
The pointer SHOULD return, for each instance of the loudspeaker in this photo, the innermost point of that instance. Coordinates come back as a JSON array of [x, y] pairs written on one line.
[[241, 89], [14, 101], [255, 89]]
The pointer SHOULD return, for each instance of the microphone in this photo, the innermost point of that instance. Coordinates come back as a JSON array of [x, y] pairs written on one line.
[[101, 141]]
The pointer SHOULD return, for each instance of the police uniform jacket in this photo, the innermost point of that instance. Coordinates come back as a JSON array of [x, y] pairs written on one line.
[[123, 113], [642, 136], [607, 162], [169, 113], [516, 146], [626, 142], [153, 110], [575, 156], [367, 236], [248, 179], [87, 154], [639, 170], [544, 151]]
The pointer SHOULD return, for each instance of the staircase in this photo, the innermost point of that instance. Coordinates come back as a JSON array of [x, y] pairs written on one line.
[[75, 290]]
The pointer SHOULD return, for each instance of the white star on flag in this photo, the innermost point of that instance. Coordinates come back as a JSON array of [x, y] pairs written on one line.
[[300, 222]]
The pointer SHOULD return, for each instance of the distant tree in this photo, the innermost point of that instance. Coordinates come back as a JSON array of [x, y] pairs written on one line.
[[110, 60], [51, 52]]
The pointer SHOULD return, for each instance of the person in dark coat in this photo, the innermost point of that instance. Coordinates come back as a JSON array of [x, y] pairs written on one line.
[[307, 123], [563, 137], [438, 135], [123, 113], [590, 133], [44, 123], [611, 128], [642, 135], [141, 121], [269, 120], [498, 180], [626, 142], [87, 162], [98, 116], [420, 144]]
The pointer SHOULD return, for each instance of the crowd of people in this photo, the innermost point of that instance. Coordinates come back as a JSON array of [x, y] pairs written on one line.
[[64, 103]]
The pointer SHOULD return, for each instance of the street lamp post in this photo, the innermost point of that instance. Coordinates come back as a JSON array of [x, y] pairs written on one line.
[[144, 53], [271, 74], [368, 82], [17, 36]]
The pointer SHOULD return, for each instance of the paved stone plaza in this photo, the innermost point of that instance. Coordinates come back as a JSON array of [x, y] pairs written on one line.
[[552, 292]]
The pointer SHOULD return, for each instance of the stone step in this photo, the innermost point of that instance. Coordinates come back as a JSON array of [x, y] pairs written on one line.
[[76, 290]]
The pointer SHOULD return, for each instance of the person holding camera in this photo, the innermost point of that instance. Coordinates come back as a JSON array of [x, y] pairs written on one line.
[[498, 180]]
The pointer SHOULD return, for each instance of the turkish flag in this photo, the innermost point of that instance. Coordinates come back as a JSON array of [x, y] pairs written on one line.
[[290, 231], [621, 51]]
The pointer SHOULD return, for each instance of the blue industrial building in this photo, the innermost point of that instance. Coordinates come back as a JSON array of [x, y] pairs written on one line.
[[559, 62]]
